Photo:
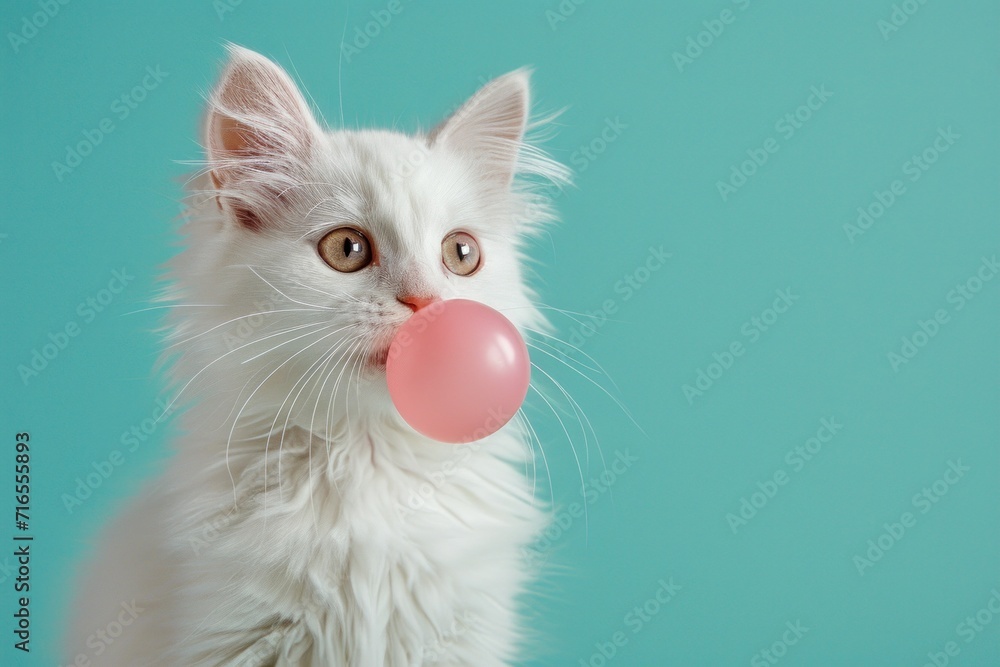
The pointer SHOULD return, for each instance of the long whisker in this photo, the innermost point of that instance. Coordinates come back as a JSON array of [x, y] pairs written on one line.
[[521, 419], [336, 390], [261, 354], [252, 377], [284, 429], [343, 357], [541, 450], [572, 449], [340, 65], [577, 349], [322, 387], [575, 414], [585, 420], [347, 391], [352, 352], [309, 443], [232, 430], [303, 380], [345, 296], [303, 88], [357, 384], [577, 409], [621, 406], [277, 414], [571, 314], [243, 317], [269, 284], [173, 305], [226, 354], [545, 347]]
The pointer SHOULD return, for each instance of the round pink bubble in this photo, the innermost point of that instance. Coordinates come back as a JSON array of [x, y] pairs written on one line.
[[457, 370]]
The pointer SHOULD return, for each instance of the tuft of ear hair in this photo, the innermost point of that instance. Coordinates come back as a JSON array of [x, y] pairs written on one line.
[[489, 128], [259, 133]]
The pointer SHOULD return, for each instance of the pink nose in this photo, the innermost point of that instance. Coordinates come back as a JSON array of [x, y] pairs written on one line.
[[415, 301]]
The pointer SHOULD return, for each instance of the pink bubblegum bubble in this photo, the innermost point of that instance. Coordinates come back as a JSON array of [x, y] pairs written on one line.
[[457, 371]]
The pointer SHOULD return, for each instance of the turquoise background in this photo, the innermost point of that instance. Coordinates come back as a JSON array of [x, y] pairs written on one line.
[[655, 185]]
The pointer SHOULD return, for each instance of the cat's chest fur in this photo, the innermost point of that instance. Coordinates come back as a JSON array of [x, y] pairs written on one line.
[[359, 551]]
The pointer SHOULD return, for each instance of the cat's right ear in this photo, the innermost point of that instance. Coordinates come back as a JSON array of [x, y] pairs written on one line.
[[489, 127], [259, 133]]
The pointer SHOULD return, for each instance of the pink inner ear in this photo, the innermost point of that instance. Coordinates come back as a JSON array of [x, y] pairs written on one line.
[[236, 139], [259, 133], [490, 126], [232, 139], [233, 135]]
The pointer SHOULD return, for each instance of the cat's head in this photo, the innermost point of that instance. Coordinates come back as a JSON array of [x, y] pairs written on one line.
[[307, 248]]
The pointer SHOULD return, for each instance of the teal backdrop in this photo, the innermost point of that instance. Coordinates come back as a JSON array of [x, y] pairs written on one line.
[[781, 245]]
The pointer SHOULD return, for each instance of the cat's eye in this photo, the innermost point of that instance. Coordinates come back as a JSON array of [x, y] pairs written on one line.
[[346, 249], [460, 253]]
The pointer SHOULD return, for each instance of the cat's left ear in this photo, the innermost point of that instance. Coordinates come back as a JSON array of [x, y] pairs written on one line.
[[489, 127], [259, 135]]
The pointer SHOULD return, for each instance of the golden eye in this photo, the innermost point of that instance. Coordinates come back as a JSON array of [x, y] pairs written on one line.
[[460, 253], [346, 249]]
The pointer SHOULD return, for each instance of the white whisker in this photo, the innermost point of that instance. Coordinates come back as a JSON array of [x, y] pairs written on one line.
[[288, 413], [269, 284], [223, 356], [173, 305], [242, 317], [572, 448], [250, 397]]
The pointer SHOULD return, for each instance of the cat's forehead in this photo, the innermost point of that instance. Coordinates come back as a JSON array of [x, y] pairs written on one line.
[[378, 152], [393, 182]]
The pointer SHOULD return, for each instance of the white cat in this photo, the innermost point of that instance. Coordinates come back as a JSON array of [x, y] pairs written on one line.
[[301, 522]]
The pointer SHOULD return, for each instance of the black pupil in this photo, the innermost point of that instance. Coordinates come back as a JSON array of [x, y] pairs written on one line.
[[351, 246], [463, 250]]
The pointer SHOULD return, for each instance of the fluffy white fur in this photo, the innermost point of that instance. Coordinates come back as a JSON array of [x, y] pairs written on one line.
[[301, 522]]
